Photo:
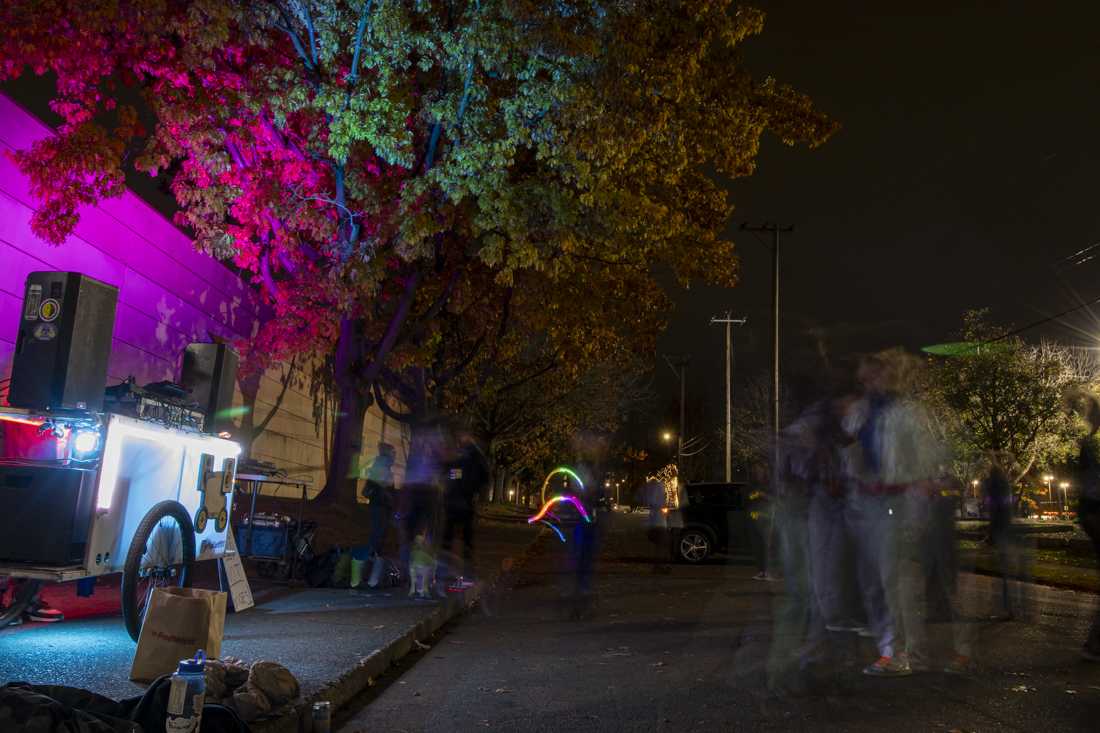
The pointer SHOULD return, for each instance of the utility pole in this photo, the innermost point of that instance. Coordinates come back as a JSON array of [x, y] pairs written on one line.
[[679, 366], [729, 321], [776, 230]]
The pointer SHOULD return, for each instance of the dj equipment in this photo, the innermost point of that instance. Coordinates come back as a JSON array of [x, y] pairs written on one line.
[[63, 343], [267, 538], [164, 402], [47, 514], [210, 373]]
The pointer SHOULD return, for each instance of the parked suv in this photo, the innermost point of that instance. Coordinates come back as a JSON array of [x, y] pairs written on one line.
[[713, 517]]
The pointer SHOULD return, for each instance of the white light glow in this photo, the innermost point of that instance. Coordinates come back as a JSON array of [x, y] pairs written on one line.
[[119, 430], [86, 441]]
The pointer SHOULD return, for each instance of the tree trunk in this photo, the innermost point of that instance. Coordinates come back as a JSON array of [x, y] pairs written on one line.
[[487, 493], [347, 437]]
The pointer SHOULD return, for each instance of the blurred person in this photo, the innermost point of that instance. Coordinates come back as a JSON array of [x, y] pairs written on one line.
[[828, 532], [912, 465], [868, 514], [1011, 558], [591, 451], [943, 577], [657, 531], [420, 493], [761, 525], [378, 491], [422, 567], [1088, 513], [465, 475], [899, 465], [798, 625]]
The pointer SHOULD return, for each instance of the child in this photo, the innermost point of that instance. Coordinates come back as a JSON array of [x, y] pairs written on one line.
[[421, 567]]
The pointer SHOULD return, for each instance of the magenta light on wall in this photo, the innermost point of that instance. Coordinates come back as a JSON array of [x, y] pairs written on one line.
[[169, 293]]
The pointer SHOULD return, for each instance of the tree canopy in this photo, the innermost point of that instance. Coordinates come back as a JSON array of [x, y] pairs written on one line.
[[392, 173], [1006, 396]]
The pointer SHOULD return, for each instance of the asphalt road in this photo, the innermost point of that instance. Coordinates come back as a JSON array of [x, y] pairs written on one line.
[[687, 651]]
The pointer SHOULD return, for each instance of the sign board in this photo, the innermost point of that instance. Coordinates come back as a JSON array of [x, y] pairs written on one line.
[[239, 589]]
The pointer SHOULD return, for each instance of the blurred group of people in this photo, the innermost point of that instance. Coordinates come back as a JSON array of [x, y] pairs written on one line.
[[864, 514], [445, 474], [864, 520]]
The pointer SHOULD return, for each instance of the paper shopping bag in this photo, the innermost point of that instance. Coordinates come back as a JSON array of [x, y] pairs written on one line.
[[178, 622]]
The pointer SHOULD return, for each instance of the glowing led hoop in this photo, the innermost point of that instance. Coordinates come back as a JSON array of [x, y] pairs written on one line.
[[560, 469], [555, 528], [555, 500]]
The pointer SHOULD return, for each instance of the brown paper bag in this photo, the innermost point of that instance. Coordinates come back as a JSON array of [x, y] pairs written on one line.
[[178, 622]]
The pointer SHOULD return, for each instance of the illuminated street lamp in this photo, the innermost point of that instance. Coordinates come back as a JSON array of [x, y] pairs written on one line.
[[667, 436], [1064, 486], [974, 485], [1047, 478]]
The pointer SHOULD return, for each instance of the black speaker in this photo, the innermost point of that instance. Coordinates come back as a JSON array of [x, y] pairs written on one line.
[[210, 372], [47, 514], [64, 342]]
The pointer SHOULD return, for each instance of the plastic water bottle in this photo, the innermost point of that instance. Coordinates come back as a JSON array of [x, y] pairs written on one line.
[[187, 691]]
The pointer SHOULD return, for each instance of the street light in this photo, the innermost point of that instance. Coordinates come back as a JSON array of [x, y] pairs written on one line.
[[1064, 486], [974, 485], [666, 436], [1047, 478]]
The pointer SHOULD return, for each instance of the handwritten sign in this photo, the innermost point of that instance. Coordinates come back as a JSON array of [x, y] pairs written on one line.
[[239, 589]]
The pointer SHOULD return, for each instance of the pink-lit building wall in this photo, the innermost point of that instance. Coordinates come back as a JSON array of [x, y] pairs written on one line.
[[169, 296]]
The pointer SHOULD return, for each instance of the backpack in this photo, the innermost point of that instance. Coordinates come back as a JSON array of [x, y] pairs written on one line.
[[318, 572], [59, 709]]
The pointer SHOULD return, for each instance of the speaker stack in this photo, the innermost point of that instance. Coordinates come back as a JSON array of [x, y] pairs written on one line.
[[64, 342], [210, 373]]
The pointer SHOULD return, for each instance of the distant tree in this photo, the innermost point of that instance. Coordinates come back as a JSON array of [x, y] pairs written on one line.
[[1004, 395]]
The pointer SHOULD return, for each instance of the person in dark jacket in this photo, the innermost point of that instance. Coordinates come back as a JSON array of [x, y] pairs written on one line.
[[997, 490], [1088, 514], [465, 475], [378, 491]]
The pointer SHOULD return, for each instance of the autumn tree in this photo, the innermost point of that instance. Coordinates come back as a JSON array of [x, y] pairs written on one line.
[[388, 171], [998, 394]]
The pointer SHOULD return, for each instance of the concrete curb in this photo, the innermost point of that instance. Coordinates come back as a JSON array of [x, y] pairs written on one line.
[[295, 718]]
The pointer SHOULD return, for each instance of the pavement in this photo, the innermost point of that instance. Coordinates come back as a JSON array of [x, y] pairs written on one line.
[[688, 651], [685, 650], [335, 641]]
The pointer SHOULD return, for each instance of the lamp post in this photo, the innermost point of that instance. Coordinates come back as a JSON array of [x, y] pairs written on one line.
[[1047, 478], [1064, 486], [974, 485]]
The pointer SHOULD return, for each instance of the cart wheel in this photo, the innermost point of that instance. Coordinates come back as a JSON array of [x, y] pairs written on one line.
[[200, 519], [221, 521], [15, 595], [160, 555]]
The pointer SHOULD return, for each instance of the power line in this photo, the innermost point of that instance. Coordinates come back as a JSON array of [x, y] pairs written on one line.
[[1044, 321]]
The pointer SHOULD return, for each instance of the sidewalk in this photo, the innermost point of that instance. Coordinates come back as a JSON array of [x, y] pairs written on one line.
[[335, 641]]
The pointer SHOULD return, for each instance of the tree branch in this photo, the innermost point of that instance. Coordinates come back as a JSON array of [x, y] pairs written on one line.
[[448, 374], [393, 329], [258, 429], [380, 399], [353, 77]]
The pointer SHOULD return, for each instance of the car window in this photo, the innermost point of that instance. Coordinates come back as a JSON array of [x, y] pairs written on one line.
[[729, 496]]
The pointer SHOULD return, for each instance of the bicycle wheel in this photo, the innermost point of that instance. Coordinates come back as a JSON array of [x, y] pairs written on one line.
[[160, 555]]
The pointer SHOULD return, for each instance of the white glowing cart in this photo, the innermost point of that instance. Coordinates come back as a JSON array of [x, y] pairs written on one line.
[[158, 498]]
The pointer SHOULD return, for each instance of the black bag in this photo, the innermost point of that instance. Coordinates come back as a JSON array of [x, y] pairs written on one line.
[[150, 711], [318, 571], [59, 709]]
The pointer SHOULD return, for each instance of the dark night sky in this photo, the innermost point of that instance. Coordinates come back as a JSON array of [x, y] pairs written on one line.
[[967, 165]]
